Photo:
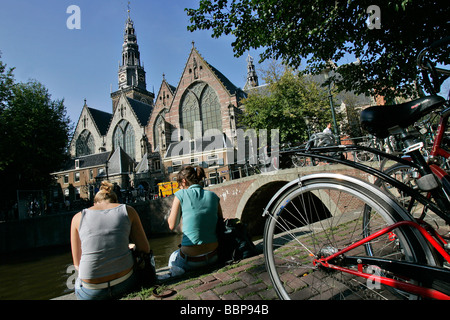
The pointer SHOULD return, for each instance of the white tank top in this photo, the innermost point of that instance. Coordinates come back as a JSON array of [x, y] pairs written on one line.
[[104, 236]]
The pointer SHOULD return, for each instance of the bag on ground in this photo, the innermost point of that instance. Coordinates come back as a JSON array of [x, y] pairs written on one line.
[[234, 241]]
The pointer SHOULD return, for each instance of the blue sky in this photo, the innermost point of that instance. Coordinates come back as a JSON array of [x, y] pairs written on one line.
[[83, 64]]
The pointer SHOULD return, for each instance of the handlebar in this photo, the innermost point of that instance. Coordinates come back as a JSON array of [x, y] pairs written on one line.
[[434, 45], [427, 66]]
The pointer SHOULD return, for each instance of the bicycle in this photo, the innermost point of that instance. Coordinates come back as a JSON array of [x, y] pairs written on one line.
[[334, 236]]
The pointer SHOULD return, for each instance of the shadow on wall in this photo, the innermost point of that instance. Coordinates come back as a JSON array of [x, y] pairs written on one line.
[[254, 208], [153, 215]]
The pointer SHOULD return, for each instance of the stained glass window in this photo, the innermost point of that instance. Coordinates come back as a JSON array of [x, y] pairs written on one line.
[[200, 103], [124, 137], [85, 144]]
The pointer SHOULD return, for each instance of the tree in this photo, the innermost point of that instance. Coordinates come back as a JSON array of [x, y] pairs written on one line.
[[6, 84], [288, 99], [6, 87], [319, 31], [35, 131]]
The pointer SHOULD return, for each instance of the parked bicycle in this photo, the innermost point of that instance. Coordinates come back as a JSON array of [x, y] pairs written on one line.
[[334, 236]]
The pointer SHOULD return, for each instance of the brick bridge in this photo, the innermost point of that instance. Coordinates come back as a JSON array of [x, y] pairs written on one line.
[[247, 197], [243, 198]]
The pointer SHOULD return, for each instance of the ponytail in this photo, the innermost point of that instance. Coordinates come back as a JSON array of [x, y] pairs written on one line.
[[192, 175]]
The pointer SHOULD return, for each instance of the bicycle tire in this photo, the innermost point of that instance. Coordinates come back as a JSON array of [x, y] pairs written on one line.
[[294, 235], [405, 174]]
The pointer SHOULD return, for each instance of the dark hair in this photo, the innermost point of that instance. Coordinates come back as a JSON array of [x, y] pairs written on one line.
[[192, 175]]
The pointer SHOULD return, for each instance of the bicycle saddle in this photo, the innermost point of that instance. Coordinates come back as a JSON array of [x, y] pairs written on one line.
[[378, 120]]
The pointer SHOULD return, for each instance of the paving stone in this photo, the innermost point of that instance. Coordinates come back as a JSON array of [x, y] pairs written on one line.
[[209, 295], [229, 287], [230, 296], [251, 289], [207, 286]]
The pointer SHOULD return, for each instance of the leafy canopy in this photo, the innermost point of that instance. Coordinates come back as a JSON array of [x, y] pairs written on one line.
[[288, 99], [318, 31], [34, 133]]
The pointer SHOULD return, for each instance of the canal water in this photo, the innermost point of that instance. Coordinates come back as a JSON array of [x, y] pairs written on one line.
[[47, 273]]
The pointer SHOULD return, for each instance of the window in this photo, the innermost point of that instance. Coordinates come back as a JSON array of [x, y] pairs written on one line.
[[213, 160], [77, 177], [194, 161], [66, 179], [156, 164], [158, 130], [200, 103], [91, 174], [211, 116], [176, 165], [124, 138], [85, 144]]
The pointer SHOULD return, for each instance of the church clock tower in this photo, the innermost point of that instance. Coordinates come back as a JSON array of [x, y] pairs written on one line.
[[131, 74]]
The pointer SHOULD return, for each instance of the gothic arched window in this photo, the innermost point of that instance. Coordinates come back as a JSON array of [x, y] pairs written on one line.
[[200, 103], [157, 130], [124, 137], [85, 144]]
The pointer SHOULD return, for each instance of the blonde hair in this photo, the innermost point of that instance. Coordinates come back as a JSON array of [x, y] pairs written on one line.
[[106, 193]]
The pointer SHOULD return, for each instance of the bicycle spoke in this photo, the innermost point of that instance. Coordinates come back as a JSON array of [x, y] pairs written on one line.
[[318, 221]]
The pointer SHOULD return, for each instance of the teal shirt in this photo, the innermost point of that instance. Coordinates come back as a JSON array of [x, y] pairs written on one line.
[[199, 209]]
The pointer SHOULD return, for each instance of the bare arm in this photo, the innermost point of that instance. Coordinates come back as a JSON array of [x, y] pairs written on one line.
[[137, 235], [175, 214], [75, 241], [219, 212]]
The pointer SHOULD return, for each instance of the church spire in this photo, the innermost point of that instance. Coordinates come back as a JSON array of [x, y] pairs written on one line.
[[252, 77], [131, 73]]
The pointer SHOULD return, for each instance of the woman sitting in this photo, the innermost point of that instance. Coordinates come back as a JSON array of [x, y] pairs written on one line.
[[100, 247], [199, 210]]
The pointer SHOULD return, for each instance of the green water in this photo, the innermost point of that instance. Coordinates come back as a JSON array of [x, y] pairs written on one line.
[[44, 274]]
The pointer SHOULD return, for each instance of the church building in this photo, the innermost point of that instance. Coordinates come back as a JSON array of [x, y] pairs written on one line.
[[147, 139]]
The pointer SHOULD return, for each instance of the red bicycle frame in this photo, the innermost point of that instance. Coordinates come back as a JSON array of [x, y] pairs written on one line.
[[408, 287], [437, 150]]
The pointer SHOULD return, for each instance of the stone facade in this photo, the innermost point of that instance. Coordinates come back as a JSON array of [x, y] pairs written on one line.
[[212, 103], [149, 130]]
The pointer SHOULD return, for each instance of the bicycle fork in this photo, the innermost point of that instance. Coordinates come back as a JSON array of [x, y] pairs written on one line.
[[395, 266]]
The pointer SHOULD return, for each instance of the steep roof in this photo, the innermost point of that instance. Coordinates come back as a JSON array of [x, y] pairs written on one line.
[[101, 119], [120, 162], [141, 110], [232, 89], [201, 145], [229, 86], [92, 160]]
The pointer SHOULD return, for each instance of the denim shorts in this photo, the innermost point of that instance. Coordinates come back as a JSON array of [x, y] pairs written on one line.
[[178, 265], [111, 292]]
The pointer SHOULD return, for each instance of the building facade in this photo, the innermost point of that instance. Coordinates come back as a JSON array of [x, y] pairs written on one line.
[[146, 140]]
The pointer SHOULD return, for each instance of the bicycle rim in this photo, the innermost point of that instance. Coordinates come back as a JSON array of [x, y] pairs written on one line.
[[320, 216]]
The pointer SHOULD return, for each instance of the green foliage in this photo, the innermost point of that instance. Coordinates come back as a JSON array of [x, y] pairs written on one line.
[[287, 100], [6, 84], [34, 135], [318, 31]]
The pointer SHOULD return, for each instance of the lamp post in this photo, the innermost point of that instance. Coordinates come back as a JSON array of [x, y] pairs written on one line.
[[308, 130], [326, 74]]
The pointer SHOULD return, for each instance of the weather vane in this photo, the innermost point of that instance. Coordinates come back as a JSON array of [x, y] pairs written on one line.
[[128, 8]]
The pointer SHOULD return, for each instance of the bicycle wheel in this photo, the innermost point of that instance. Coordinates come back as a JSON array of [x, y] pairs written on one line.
[[362, 156], [407, 175], [318, 215]]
